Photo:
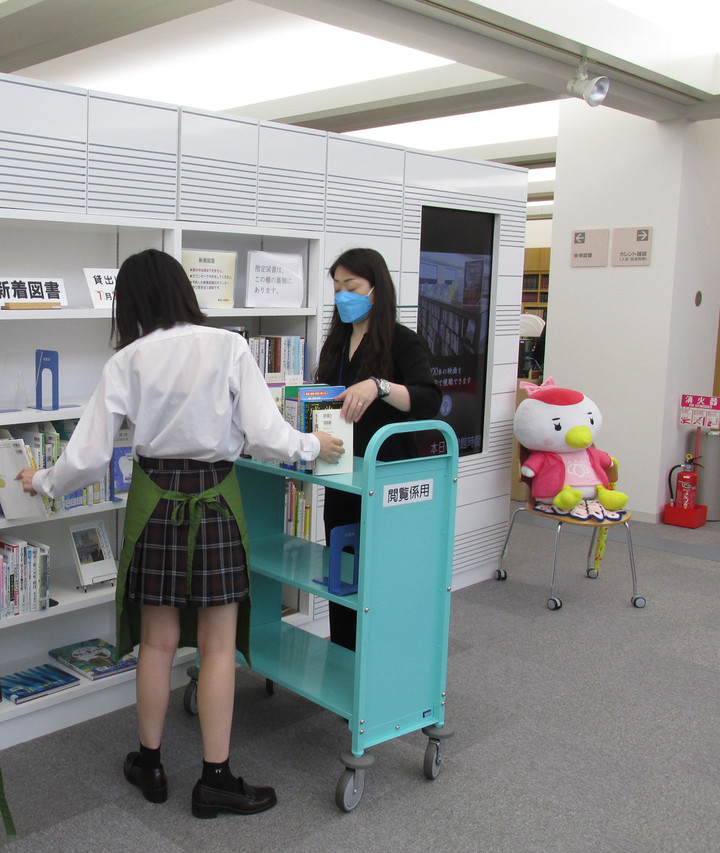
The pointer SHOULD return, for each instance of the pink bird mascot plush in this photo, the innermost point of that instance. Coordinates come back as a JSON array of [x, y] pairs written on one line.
[[568, 473]]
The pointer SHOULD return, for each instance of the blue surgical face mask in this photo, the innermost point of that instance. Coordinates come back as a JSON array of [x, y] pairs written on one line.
[[353, 307]]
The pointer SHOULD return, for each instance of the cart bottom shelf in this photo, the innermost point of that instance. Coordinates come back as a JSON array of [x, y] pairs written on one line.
[[308, 665]]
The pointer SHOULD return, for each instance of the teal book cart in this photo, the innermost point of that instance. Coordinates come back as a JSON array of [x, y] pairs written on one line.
[[395, 681]]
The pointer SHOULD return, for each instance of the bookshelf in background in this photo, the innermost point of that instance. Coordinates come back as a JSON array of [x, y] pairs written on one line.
[[536, 281]]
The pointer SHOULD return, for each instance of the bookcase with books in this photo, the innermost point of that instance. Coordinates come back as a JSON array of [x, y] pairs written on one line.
[[88, 179], [63, 611]]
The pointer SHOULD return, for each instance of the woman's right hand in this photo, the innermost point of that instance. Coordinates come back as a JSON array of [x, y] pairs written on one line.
[[331, 448]]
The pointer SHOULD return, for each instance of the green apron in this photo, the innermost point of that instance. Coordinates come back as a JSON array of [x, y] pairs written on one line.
[[143, 497]]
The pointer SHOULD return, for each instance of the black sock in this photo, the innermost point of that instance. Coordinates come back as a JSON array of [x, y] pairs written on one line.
[[218, 776], [149, 758]]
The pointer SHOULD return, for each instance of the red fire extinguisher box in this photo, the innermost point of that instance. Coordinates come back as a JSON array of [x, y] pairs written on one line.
[[681, 517]]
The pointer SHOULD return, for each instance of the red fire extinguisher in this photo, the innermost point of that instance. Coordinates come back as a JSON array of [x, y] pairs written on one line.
[[686, 488], [686, 484]]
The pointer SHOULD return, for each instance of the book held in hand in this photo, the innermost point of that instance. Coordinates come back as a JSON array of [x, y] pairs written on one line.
[[37, 681], [327, 418], [15, 502], [93, 659]]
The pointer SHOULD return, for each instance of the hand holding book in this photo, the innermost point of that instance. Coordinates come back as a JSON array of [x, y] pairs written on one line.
[[331, 448], [26, 475]]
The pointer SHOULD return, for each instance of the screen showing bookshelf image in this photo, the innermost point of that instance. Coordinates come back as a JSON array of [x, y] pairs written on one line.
[[456, 257]]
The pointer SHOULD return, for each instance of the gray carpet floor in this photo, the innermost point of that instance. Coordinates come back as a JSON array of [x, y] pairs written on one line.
[[592, 728]]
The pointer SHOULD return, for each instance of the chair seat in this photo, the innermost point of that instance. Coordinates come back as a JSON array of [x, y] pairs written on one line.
[[595, 551], [561, 518]]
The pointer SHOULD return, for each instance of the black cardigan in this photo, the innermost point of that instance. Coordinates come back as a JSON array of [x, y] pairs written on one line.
[[411, 367]]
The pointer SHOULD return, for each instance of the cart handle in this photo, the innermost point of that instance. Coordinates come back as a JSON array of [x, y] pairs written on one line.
[[412, 426]]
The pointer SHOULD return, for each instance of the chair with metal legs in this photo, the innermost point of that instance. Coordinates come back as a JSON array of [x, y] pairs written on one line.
[[597, 542]]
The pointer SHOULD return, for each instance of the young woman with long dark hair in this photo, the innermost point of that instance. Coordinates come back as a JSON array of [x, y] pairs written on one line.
[[385, 367], [195, 401]]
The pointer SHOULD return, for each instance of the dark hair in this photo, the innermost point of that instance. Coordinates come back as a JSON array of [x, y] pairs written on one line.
[[152, 292], [377, 359]]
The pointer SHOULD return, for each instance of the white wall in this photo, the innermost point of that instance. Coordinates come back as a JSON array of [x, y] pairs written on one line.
[[632, 338], [538, 233]]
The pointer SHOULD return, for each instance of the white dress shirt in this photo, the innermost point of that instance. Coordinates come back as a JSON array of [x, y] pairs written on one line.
[[190, 392]]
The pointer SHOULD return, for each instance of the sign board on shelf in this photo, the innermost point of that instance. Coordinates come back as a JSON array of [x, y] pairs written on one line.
[[31, 292], [212, 275], [274, 280], [101, 284]]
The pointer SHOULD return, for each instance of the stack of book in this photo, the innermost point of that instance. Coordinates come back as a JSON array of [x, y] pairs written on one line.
[[309, 408], [40, 446], [279, 355], [34, 682], [24, 576], [93, 659]]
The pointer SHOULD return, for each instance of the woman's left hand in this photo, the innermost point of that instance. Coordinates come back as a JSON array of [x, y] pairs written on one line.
[[26, 475], [356, 400]]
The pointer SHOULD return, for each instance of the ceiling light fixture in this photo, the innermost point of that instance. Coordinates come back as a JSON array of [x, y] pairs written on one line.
[[592, 90]]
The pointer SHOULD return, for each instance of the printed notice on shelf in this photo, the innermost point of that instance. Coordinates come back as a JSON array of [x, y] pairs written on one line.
[[274, 280], [212, 275], [101, 284], [408, 493], [36, 292]]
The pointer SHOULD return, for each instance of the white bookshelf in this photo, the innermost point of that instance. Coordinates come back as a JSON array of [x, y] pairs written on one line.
[[90, 178]]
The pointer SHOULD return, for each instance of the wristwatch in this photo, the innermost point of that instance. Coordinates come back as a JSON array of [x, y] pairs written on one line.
[[383, 386]]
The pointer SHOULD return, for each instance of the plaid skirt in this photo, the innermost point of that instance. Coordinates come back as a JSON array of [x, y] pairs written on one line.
[[157, 573]]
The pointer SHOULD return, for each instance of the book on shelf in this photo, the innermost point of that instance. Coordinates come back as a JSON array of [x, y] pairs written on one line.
[[93, 659], [15, 502], [298, 510], [281, 355], [25, 576], [92, 553], [34, 682]]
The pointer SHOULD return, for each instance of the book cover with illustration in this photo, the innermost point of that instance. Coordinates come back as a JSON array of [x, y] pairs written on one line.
[[93, 659], [36, 681]]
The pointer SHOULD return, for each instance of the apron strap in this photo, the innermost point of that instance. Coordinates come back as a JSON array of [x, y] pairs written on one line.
[[194, 505]]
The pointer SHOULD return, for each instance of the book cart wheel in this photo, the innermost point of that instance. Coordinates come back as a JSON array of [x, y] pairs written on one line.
[[190, 694], [435, 750], [351, 784], [190, 698], [349, 790]]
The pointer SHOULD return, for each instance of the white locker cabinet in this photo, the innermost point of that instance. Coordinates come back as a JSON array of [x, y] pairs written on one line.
[[218, 168], [364, 189], [132, 158], [291, 178], [43, 134]]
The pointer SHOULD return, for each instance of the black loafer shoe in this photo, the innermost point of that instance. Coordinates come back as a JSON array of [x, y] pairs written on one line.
[[152, 782], [247, 799]]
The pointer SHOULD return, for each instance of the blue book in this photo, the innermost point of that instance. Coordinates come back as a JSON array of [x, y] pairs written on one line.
[[34, 682]]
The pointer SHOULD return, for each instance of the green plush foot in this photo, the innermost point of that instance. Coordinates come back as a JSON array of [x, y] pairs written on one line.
[[567, 498], [611, 499]]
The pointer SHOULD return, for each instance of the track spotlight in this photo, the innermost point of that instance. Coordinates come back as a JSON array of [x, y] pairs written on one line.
[[591, 89]]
